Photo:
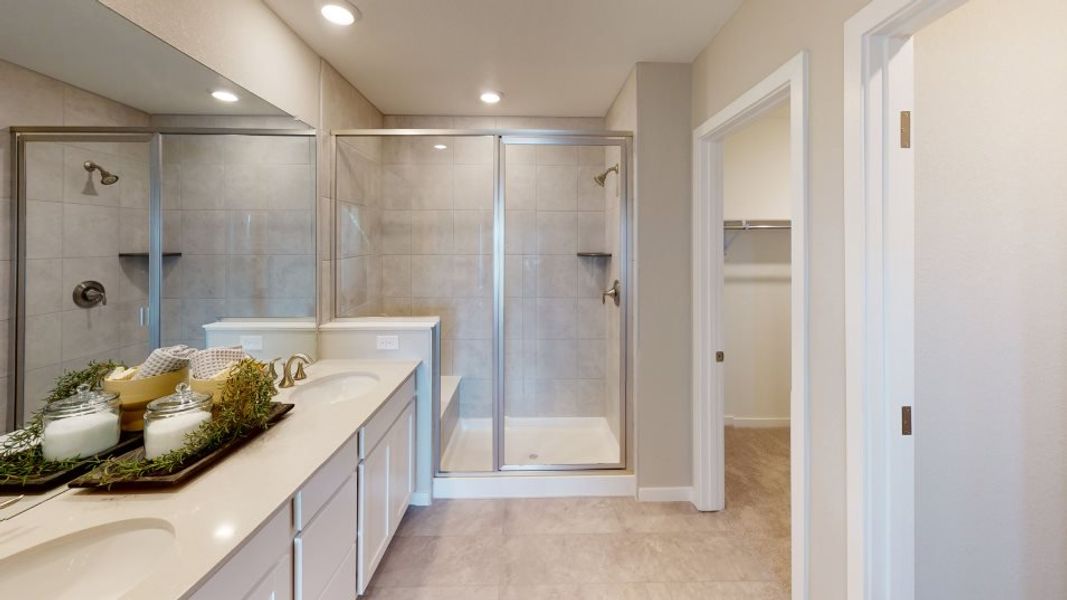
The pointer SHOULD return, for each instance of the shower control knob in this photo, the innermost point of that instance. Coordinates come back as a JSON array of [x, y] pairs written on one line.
[[89, 293], [612, 292]]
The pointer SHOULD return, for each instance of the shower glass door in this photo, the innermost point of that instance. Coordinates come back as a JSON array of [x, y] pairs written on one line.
[[82, 261], [561, 402]]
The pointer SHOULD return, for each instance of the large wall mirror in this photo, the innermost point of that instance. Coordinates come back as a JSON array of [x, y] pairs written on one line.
[[148, 196]]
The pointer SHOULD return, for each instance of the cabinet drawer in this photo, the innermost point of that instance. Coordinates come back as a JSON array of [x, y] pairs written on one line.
[[372, 433], [324, 483], [325, 542]]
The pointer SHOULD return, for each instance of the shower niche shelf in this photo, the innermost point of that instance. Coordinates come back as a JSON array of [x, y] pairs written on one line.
[[595, 254], [145, 254]]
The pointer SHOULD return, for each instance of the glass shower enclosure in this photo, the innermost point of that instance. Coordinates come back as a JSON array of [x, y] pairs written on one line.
[[126, 239], [518, 241]]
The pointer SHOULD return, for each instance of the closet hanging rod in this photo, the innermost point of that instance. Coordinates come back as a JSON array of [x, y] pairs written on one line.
[[749, 225]]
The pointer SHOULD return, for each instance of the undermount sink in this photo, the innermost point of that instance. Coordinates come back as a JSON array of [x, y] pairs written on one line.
[[100, 562], [336, 388]]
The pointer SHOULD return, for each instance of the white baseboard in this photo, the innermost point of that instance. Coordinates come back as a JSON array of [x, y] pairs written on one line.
[[420, 499], [534, 486], [665, 494], [756, 421]]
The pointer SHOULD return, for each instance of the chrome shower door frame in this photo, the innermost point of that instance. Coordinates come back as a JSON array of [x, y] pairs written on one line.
[[623, 141]]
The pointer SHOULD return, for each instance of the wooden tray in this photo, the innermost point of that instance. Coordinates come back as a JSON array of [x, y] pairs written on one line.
[[127, 441], [92, 478]]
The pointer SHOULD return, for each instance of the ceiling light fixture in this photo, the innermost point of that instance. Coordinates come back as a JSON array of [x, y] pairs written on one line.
[[491, 97], [340, 13], [440, 147], [224, 96]]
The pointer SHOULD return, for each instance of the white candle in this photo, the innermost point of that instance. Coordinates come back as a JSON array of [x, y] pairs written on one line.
[[83, 435], [166, 434]]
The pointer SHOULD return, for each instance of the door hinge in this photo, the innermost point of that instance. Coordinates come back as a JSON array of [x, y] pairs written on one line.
[[720, 356], [905, 129], [905, 420]]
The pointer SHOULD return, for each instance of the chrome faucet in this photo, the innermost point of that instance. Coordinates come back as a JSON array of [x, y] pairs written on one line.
[[289, 378]]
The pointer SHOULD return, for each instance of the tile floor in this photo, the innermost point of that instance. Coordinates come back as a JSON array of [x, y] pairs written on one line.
[[605, 548]]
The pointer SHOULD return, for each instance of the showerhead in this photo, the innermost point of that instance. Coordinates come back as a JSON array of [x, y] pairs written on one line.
[[600, 179], [106, 177]]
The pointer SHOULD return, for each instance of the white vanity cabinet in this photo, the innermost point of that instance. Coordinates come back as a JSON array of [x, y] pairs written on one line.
[[386, 479], [326, 543]]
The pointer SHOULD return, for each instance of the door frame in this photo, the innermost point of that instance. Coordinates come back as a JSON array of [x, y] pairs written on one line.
[[879, 295], [788, 83]]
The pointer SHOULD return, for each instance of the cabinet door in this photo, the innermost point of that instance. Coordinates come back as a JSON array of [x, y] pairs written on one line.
[[374, 512], [401, 466], [325, 542], [278, 584]]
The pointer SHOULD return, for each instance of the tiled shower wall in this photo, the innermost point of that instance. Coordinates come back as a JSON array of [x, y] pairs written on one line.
[[240, 210], [75, 229], [30, 98], [416, 239], [555, 332]]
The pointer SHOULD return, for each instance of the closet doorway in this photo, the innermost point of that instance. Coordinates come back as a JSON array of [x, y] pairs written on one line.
[[750, 311]]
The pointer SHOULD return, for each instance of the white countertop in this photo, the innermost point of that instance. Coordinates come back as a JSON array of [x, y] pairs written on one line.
[[215, 513]]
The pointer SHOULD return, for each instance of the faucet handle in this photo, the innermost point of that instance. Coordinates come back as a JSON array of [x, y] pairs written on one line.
[[273, 370], [300, 373]]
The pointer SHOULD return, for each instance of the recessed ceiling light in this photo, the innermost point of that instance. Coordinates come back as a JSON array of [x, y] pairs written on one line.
[[490, 97], [339, 13], [224, 96], [439, 147]]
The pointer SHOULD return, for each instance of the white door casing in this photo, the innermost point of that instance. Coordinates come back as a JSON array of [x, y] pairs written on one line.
[[879, 295], [787, 83]]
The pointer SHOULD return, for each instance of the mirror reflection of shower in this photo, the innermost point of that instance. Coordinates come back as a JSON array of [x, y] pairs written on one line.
[[600, 179], [106, 177]]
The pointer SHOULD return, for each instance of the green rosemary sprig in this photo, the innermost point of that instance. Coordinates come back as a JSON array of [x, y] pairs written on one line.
[[245, 406], [21, 458]]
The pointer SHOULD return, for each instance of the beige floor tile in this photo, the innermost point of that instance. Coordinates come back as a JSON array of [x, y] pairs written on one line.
[[434, 593], [570, 559], [605, 548], [550, 516], [455, 517], [588, 591], [441, 561]]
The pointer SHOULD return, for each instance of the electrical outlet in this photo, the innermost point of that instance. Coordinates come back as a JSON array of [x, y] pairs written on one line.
[[252, 342], [388, 342]]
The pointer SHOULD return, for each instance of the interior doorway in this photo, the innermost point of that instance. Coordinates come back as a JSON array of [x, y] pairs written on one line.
[[955, 304], [718, 222]]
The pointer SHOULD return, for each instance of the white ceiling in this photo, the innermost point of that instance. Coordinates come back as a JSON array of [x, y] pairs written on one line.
[[87, 45], [548, 57]]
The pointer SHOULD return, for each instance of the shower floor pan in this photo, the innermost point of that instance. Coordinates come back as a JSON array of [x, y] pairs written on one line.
[[531, 441]]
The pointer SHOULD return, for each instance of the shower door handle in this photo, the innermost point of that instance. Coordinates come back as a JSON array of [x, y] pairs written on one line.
[[613, 292]]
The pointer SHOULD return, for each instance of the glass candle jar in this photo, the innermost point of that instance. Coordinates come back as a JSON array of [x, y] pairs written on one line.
[[81, 425], [168, 420]]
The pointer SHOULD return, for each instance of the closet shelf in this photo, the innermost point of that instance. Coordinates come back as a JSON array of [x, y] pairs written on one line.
[[757, 224]]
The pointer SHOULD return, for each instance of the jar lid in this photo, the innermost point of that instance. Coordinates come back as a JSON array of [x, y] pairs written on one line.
[[183, 399], [85, 401]]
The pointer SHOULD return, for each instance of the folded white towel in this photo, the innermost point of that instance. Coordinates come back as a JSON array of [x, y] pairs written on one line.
[[165, 360], [205, 364]]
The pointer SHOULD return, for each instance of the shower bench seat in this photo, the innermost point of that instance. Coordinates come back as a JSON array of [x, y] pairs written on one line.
[[449, 406]]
